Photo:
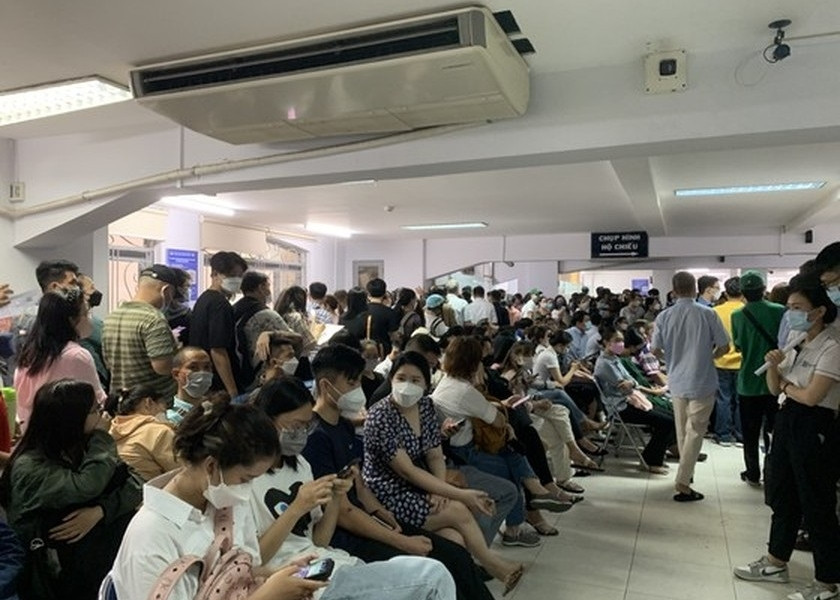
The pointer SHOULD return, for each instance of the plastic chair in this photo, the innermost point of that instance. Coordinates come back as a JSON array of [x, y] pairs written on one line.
[[632, 433]]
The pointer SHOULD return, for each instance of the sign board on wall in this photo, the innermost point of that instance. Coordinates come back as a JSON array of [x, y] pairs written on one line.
[[620, 244], [188, 261]]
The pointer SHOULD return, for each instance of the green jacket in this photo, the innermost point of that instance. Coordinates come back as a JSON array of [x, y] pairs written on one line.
[[41, 487]]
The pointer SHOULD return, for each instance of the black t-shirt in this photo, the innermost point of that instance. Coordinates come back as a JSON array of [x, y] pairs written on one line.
[[384, 321], [330, 448], [213, 326]]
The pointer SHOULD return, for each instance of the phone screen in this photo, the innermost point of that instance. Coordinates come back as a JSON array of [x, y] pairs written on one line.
[[320, 570]]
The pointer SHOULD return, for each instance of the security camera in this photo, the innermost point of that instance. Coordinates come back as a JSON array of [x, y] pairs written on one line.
[[780, 50]]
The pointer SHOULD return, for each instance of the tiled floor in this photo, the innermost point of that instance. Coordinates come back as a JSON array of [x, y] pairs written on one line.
[[630, 541]]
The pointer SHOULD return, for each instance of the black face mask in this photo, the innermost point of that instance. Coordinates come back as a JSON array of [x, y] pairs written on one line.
[[95, 298]]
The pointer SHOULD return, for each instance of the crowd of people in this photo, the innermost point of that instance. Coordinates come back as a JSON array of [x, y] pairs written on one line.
[[396, 452]]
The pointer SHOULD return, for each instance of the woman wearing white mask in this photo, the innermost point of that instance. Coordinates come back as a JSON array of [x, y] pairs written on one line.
[[802, 467], [297, 515], [402, 432], [291, 305], [222, 447], [145, 441]]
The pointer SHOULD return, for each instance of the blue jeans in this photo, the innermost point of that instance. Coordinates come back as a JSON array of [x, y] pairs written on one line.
[[505, 495], [727, 415], [507, 464], [400, 578]]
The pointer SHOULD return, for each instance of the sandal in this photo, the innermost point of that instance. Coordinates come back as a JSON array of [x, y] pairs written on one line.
[[513, 580], [544, 528], [589, 465], [570, 486], [689, 496], [581, 473]]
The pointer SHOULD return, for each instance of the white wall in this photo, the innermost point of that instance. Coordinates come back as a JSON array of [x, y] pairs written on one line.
[[403, 261]]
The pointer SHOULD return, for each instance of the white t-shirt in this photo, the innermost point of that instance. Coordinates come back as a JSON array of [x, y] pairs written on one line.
[[819, 356], [165, 529], [480, 310], [458, 399], [271, 495], [543, 363]]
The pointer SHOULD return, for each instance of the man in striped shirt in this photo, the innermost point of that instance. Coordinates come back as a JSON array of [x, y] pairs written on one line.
[[137, 343]]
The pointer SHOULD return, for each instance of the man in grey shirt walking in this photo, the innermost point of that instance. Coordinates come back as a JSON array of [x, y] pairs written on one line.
[[690, 336]]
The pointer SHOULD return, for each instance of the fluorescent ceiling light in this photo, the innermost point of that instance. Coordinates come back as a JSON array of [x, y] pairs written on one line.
[[477, 225], [332, 230], [199, 203], [32, 103], [751, 189]]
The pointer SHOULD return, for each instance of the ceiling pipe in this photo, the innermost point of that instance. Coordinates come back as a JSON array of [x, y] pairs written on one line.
[[197, 171]]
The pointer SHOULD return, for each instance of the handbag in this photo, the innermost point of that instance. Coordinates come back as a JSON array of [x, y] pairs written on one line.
[[226, 571], [486, 436]]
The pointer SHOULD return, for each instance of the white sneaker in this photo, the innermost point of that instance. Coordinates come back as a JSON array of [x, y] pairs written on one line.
[[763, 570], [815, 591]]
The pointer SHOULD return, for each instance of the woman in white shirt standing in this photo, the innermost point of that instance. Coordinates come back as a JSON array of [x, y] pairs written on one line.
[[803, 466]]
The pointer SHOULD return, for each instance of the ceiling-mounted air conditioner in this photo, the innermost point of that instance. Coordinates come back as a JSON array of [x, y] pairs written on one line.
[[445, 68]]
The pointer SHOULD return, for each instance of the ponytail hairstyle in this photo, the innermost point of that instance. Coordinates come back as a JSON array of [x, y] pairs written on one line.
[[125, 401], [231, 434], [53, 329]]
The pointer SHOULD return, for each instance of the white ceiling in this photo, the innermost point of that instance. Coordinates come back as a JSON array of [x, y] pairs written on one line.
[[46, 40]]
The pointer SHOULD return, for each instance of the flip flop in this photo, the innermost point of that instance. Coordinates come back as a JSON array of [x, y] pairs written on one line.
[[691, 496], [571, 487], [589, 467], [513, 580]]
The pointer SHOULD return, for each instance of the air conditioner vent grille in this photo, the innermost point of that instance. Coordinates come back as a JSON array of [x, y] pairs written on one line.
[[425, 37]]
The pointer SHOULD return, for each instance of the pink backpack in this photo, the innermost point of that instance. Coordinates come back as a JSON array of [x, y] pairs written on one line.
[[225, 571]]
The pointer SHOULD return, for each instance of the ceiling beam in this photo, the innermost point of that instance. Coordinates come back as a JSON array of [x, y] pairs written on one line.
[[810, 215], [636, 178]]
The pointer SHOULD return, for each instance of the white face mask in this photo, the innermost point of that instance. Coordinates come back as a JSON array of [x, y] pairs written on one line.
[[715, 295], [406, 394], [198, 383], [223, 495], [290, 366], [231, 284], [351, 402]]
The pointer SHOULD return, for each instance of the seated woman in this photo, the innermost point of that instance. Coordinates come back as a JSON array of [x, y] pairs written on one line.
[[550, 382], [223, 447], [296, 515], [636, 342], [553, 423], [457, 398], [52, 351], [625, 396], [401, 433], [66, 494], [639, 369], [143, 436]]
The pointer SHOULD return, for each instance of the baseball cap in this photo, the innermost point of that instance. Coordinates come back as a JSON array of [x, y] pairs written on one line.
[[434, 301], [160, 272], [752, 280]]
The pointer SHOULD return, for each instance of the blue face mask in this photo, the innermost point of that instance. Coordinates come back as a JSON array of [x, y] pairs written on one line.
[[798, 320], [834, 294]]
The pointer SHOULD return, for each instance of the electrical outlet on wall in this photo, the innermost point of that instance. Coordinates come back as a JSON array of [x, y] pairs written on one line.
[[17, 191]]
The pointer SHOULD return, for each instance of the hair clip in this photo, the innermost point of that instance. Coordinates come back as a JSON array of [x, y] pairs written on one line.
[[208, 407]]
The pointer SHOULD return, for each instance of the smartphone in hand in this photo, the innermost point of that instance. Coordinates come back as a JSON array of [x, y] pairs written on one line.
[[320, 570], [347, 470]]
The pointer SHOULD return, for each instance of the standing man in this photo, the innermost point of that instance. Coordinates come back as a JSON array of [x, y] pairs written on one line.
[[93, 342], [708, 288], [755, 330], [137, 343], [383, 320], [212, 326], [727, 423], [690, 336], [480, 311], [317, 310], [457, 303]]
